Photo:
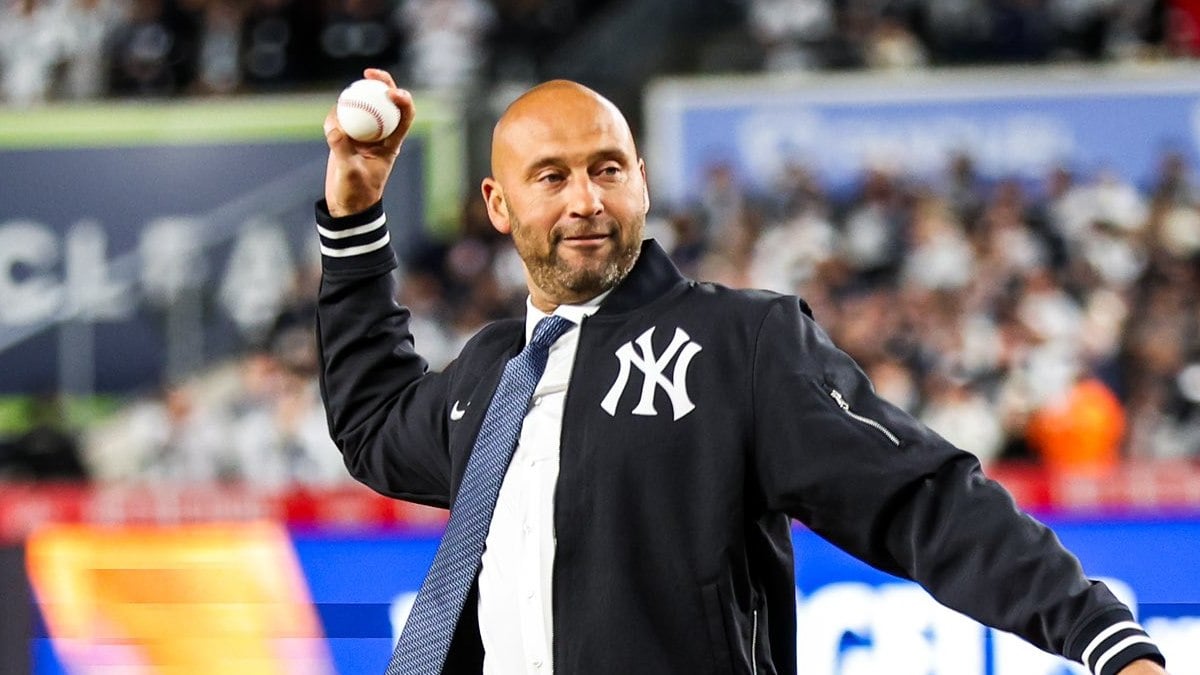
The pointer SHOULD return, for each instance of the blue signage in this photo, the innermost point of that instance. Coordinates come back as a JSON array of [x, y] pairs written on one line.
[[852, 619], [1012, 125], [119, 265]]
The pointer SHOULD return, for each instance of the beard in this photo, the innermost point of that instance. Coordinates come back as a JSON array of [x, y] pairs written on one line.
[[575, 281]]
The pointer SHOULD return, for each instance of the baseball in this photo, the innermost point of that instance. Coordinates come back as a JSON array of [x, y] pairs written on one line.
[[366, 113]]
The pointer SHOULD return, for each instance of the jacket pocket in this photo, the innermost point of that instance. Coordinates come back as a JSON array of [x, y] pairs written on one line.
[[869, 424], [754, 642], [715, 620]]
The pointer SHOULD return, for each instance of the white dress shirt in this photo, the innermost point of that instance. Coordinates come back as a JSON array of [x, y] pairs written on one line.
[[515, 613]]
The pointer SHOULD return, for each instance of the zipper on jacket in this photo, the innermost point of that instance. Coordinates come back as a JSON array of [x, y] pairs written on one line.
[[837, 396], [754, 645]]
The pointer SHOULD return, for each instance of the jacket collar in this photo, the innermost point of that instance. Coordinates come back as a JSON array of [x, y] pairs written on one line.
[[652, 276]]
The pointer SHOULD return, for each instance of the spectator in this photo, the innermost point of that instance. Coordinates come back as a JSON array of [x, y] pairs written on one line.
[[88, 26], [964, 416], [154, 52], [941, 256], [278, 431], [892, 46], [175, 438], [47, 451], [277, 44], [789, 32], [219, 65], [874, 229], [1080, 432], [32, 43], [527, 32], [445, 41], [356, 34], [790, 254]]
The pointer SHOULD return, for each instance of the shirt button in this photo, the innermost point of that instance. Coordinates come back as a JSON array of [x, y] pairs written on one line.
[[529, 595], [537, 663], [527, 528]]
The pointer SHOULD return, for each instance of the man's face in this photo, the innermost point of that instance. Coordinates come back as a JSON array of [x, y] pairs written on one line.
[[569, 187]]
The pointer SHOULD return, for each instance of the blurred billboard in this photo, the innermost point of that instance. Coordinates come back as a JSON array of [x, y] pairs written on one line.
[[1013, 123], [852, 620], [139, 240], [196, 599]]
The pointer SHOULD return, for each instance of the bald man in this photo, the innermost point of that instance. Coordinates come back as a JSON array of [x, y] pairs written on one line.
[[621, 484]]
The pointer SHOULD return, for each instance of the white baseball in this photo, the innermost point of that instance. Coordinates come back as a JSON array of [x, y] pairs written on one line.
[[366, 113]]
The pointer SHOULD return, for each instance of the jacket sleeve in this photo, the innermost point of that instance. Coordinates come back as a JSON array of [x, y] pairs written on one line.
[[386, 412], [878, 484]]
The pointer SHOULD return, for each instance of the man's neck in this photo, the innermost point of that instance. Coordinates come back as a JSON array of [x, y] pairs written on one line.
[[548, 307]]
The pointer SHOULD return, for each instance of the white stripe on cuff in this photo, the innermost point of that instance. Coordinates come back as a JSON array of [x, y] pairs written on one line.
[[1117, 649], [1107, 633], [343, 234], [356, 250]]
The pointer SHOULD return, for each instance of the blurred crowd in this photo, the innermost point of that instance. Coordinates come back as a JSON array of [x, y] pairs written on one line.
[[1056, 323], [81, 49]]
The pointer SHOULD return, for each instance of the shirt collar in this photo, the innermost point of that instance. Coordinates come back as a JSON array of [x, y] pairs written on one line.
[[574, 313]]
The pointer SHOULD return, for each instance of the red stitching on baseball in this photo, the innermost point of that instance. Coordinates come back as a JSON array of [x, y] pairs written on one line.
[[370, 110]]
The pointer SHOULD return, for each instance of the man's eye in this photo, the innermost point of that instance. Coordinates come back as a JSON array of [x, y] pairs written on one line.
[[610, 171], [551, 178]]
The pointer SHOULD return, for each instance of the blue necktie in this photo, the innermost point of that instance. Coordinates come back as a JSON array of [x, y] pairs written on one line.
[[425, 640]]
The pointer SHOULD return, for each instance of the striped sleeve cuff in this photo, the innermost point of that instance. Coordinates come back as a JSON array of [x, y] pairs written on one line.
[[1111, 641], [356, 242]]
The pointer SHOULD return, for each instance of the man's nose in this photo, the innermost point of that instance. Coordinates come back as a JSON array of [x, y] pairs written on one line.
[[584, 198]]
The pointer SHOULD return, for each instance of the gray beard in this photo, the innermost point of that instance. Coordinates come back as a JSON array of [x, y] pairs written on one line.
[[559, 281]]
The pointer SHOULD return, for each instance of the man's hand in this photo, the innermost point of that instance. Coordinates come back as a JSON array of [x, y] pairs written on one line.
[[1143, 667], [357, 172]]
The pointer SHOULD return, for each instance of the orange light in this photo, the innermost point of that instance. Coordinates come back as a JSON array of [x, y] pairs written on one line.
[[180, 600]]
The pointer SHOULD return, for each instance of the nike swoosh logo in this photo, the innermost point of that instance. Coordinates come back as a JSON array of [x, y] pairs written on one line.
[[457, 413]]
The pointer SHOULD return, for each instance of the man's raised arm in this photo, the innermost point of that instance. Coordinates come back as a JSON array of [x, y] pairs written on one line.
[[386, 412]]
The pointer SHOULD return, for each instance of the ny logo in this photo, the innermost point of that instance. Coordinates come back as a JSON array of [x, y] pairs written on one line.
[[652, 368]]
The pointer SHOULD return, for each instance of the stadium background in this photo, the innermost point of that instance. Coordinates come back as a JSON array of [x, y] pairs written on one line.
[[990, 203]]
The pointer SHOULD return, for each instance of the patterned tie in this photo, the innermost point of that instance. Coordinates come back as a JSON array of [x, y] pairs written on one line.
[[425, 640]]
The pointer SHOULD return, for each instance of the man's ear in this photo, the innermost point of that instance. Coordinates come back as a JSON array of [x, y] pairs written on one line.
[[493, 196], [645, 187]]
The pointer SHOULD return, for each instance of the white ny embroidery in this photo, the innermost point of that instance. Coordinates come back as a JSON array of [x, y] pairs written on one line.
[[652, 368]]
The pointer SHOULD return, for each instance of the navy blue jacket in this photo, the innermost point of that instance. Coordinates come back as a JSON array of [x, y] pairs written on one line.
[[698, 422]]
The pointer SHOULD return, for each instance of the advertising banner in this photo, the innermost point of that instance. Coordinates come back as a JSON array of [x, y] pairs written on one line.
[[1012, 123], [138, 241], [852, 620]]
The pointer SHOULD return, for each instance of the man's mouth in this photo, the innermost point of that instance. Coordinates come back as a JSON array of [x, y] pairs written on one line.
[[599, 236], [586, 240]]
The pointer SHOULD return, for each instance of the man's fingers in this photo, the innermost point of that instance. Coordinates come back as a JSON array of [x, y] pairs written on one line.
[[408, 112], [335, 137], [381, 75]]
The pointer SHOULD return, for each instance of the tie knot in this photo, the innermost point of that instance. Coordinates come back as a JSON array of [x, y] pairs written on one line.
[[550, 329]]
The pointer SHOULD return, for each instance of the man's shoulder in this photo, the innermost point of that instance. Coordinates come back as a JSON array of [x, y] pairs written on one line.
[[752, 300]]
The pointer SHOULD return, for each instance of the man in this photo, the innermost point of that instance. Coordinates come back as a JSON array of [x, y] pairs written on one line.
[[666, 430]]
